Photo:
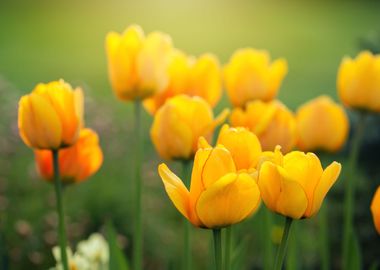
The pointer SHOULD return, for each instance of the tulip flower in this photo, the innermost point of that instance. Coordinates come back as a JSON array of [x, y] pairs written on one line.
[[375, 209], [243, 145], [219, 195], [179, 123], [358, 82], [51, 116], [137, 64], [77, 162], [322, 125], [272, 122], [250, 75], [189, 76], [295, 185]]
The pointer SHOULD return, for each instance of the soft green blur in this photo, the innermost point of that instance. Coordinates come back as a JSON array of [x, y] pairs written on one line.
[[42, 41]]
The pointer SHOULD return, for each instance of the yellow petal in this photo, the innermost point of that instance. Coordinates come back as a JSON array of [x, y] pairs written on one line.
[[329, 177], [243, 145], [39, 124], [176, 191], [375, 209], [228, 201], [269, 182]]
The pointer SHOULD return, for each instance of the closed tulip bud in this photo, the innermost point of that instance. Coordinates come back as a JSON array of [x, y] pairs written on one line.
[[76, 163], [250, 75], [189, 76], [272, 122], [243, 145], [219, 196], [322, 125], [358, 82], [137, 64], [295, 185], [375, 209], [179, 123], [51, 116]]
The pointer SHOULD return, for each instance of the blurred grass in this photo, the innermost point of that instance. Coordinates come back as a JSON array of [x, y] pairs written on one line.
[[42, 41]]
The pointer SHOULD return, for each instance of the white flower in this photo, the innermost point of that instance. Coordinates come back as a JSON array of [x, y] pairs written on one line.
[[95, 249]]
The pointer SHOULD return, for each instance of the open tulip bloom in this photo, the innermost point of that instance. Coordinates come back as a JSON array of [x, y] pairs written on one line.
[[294, 185]]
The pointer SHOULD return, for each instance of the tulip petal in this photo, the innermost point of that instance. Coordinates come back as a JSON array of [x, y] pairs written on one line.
[[39, 123], [375, 209], [269, 182], [228, 200], [329, 177], [176, 190]]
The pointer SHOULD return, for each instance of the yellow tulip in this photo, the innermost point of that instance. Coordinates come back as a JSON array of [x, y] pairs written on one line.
[[137, 64], [295, 185], [250, 75], [189, 76], [219, 196], [51, 116], [243, 145], [76, 163], [375, 209], [272, 122], [322, 125], [358, 82], [179, 123]]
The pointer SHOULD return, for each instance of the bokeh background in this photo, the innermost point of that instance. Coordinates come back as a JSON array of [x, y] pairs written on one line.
[[43, 40]]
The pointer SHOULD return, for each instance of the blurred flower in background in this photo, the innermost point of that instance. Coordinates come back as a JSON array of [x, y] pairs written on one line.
[[250, 75], [137, 65], [322, 125], [179, 123], [51, 116], [375, 209], [272, 122], [77, 162], [358, 82], [191, 76]]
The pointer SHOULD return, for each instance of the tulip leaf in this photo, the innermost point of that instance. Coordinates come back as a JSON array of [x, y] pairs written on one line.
[[118, 261]]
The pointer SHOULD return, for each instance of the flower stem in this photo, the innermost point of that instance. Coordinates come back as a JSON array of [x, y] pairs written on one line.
[[137, 236], [187, 227], [228, 247], [61, 217], [218, 248], [349, 199], [284, 241], [324, 237]]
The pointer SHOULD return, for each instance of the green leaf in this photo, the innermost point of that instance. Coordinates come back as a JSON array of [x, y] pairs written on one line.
[[355, 259], [118, 261]]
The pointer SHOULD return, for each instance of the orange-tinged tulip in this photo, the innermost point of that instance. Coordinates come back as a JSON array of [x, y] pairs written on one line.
[[179, 123], [272, 122], [250, 75], [51, 116], [295, 185], [243, 145], [190, 76], [375, 209], [358, 82], [322, 125], [137, 64], [219, 196], [77, 162]]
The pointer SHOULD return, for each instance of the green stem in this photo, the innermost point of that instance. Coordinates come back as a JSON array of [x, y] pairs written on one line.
[[187, 227], [284, 241], [349, 199], [61, 217], [268, 247], [228, 247], [218, 248], [137, 236], [324, 244]]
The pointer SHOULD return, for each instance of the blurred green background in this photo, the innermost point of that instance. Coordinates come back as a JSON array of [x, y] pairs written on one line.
[[41, 41]]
